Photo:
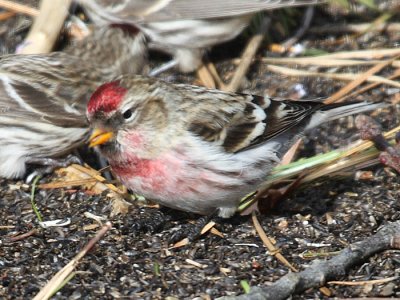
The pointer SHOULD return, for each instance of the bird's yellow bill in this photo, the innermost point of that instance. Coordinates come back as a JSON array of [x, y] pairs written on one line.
[[99, 137]]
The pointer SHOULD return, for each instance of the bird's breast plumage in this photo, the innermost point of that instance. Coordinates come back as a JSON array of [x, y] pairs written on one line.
[[195, 176]]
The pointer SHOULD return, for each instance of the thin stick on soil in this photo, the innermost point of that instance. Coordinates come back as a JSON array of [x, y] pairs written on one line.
[[23, 236], [267, 242], [59, 279]]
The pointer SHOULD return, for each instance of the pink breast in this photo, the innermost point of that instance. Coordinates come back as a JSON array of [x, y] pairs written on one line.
[[156, 176], [140, 168]]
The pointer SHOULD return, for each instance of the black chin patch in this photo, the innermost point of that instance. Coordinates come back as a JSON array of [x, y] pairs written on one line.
[[109, 149]]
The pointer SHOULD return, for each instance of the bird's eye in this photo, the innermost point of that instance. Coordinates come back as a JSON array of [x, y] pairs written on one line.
[[127, 114]]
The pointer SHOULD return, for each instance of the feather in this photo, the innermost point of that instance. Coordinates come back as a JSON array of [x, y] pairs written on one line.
[[239, 122], [199, 149], [184, 28], [170, 10], [43, 97]]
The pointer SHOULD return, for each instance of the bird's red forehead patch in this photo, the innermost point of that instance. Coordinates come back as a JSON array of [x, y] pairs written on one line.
[[106, 98]]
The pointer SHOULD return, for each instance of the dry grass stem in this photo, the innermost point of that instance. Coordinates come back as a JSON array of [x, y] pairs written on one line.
[[355, 155], [359, 28], [363, 54], [247, 57], [270, 246], [53, 285], [214, 73], [321, 61], [205, 77], [359, 80], [362, 90], [341, 76], [6, 15], [289, 155], [46, 27], [366, 282], [19, 8]]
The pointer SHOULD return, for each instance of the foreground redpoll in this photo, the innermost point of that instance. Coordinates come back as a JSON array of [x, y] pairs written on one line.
[[185, 28], [43, 97], [196, 149]]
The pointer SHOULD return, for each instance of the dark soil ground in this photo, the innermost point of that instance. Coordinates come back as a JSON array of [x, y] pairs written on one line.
[[319, 219]]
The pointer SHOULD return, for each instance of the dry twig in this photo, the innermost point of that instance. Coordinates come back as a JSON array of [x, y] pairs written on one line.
[[22, 236], [53, 285], [320, 272]]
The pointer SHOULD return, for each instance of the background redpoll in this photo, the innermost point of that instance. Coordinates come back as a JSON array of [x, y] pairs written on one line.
[[43, 97], [185, 28], [196, 149]]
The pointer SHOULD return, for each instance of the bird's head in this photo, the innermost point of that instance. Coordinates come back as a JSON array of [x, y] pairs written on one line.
[[127, 112], [115, 50]]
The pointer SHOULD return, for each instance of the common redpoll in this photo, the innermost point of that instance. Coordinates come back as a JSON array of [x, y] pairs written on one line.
[[197, 149], [43, 97], [184, 28]]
